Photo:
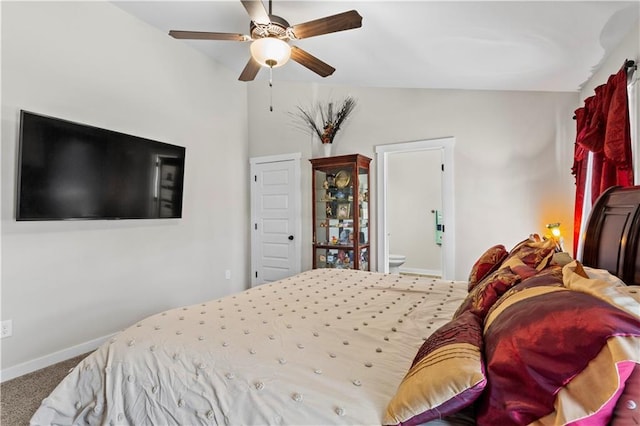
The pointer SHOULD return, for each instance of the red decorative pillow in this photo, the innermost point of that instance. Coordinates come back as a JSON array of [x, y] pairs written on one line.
[[572, 350], [487, 292], [524, 261], [447, 375], [487, 263]]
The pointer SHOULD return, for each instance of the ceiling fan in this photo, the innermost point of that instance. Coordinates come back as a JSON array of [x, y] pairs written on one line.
[[270, 35]]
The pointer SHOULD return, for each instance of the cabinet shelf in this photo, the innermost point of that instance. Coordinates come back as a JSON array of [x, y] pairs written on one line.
[[338, 246], [341, 213]]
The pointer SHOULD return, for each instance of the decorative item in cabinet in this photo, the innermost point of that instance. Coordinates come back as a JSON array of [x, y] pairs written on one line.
[[341, 212]]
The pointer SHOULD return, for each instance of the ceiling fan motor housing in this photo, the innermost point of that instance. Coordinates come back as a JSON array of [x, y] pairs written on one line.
[[276, 28]]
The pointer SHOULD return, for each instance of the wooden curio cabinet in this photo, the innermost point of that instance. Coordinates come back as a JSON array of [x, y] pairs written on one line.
[[341, 212]]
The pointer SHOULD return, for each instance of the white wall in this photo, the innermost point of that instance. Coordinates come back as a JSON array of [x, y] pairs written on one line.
[[65, 283], [513, 151]]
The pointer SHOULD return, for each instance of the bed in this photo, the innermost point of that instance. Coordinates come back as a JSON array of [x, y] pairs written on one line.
[[527, 339]]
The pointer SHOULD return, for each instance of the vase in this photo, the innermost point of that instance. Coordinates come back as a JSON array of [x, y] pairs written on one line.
[[326, 149]]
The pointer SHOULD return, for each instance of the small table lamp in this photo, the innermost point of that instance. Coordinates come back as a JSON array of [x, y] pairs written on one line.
[[556, 236]]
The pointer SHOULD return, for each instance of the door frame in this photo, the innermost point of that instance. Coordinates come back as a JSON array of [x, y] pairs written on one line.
[[296, 206], [448, 213]]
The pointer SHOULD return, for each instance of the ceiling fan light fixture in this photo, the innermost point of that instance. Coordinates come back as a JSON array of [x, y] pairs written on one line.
[[270, 51]]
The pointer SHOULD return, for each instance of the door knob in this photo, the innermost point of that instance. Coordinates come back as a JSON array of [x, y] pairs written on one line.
[[291, 237]]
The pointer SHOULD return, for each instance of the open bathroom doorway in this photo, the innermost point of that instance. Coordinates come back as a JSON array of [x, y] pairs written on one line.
[[415, 208]]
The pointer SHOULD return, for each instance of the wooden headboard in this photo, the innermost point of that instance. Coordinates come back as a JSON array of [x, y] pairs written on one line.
[[613, 232]]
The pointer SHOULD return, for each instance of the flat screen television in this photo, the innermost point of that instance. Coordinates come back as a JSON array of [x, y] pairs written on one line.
[[68, 170]]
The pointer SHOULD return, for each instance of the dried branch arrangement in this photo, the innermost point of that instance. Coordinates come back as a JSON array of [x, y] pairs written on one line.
[[324, 119]]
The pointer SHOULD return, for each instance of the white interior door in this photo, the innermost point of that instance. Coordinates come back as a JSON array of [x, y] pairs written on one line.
[[275, 218]]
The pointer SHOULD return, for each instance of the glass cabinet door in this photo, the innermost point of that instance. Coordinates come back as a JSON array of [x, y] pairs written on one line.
[[363, 204], [341, 212]]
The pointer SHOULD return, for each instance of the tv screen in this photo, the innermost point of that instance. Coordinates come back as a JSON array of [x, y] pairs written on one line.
[[68, 170]]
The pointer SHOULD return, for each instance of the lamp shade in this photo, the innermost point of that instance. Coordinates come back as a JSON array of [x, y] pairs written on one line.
[[270, 51]]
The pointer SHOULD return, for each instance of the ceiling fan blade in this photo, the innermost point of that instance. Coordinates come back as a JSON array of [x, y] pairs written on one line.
[[250, 70], [256, 11], [329, 24], [314, 64], [201, 35]]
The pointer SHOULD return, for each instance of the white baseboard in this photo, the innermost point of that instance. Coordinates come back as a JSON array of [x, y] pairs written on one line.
[[47, 360], [416, 271]]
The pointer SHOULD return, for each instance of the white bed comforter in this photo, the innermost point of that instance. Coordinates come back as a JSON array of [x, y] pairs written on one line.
[[323, 347]]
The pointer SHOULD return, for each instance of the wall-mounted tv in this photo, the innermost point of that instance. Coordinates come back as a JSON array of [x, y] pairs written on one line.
[[68, 170]]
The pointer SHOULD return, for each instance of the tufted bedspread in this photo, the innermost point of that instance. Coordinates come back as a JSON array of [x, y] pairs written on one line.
[[324, 347]]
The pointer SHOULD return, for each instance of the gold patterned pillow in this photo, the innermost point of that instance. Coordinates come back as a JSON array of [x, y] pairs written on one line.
[[446, 376]]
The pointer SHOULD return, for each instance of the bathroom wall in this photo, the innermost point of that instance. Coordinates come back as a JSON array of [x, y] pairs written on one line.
[[414, 186]]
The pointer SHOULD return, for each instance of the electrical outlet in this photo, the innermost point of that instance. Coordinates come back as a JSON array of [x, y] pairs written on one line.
[[227, 274], [6, 329]]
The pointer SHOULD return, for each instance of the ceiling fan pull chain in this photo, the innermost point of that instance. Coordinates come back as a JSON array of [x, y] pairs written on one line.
[[271, 89]]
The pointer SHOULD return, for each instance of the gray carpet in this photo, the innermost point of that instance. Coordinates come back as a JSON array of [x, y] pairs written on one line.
[[21, 397]]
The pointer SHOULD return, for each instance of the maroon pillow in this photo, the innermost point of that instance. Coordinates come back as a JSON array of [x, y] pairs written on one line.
[[484, 295], [487, 263], [539, 342]]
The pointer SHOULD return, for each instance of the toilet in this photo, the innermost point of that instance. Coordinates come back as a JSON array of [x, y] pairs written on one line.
[[395, 261]]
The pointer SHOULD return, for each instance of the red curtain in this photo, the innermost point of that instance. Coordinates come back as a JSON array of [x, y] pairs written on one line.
[[602, 127]]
